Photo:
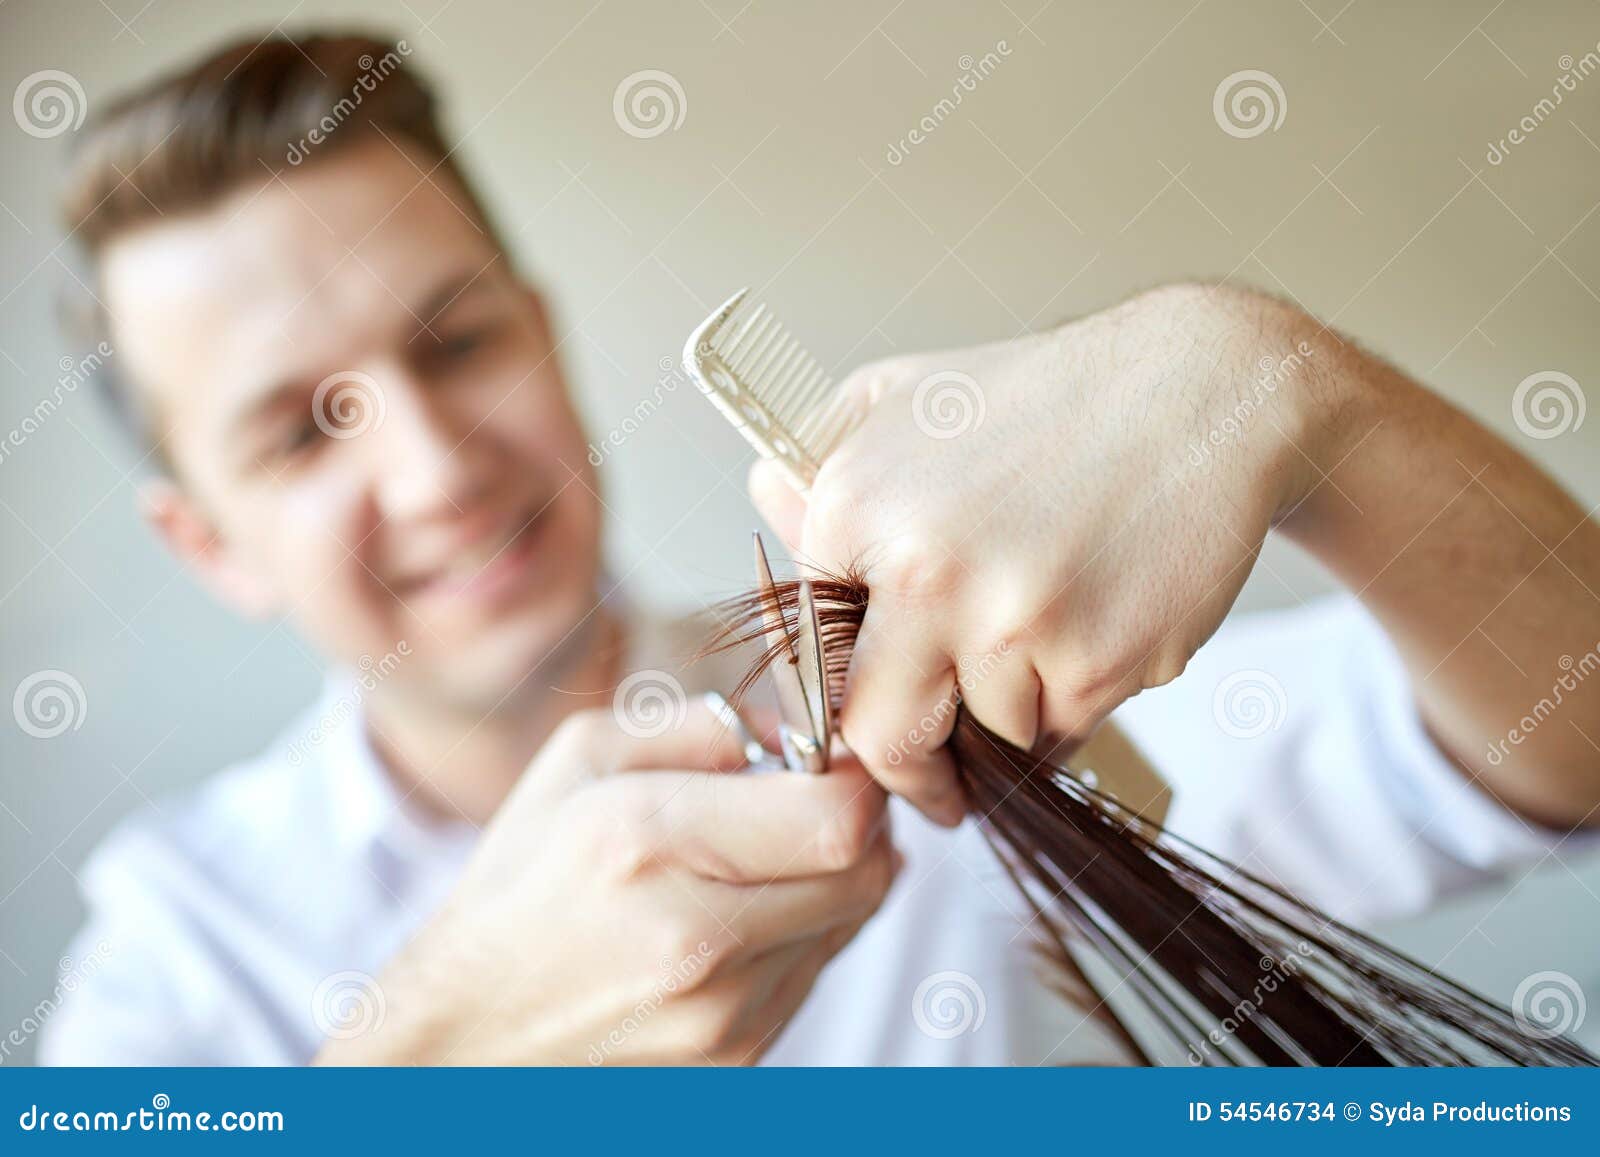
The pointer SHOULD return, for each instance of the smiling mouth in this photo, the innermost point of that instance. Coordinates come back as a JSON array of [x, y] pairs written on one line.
[[490, 570]]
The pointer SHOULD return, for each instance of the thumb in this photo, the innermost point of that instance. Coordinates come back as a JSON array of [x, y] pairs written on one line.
[[783, 508]]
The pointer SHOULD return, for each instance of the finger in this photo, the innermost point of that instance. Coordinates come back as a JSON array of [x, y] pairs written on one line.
[[737, 1015], [698, 739], [753, 829], [783, 508], [678, 733], [781, 912], [899, 708], [1001, 691], [754, 1028], [863, 386], [838, 528], [797, 980], [780, 982], [1072, 706]]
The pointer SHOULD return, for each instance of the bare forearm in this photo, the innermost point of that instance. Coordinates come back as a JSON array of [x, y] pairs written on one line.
[[1483, 571]]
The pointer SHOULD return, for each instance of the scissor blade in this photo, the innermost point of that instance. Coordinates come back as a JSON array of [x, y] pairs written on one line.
[[771, 607], [792, 702], [813, 671]]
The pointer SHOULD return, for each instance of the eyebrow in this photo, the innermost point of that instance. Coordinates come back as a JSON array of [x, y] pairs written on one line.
[[448, 293], [263, 403], [433, 306]]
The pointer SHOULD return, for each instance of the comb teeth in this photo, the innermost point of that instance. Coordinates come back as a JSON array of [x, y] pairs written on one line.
[[765, 382]]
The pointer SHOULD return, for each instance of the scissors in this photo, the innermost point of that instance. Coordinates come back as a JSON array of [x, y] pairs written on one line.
[[799, 677]]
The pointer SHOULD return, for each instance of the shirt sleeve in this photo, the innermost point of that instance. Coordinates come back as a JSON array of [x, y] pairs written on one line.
[[137, 986], [1295, 748]]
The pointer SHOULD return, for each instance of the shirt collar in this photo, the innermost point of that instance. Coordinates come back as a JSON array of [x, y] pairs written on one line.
[[368, 809]]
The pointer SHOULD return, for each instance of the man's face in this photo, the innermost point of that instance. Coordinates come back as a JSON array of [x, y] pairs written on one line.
[[369, 426]]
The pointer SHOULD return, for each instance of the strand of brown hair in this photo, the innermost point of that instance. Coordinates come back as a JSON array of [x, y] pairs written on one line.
[[1188, 934]]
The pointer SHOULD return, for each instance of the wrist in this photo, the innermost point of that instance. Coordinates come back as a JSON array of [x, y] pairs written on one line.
[[1307, 389], [1282, 393], [424, 1007], [397, 1040], [1339, 401]]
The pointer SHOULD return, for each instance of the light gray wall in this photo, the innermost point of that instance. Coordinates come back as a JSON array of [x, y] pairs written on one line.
[[1086, 165]]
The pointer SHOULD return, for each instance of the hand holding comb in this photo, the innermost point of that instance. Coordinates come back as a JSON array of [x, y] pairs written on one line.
[[786, 406]]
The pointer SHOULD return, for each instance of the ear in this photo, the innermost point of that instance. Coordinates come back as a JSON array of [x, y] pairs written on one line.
[[190, 534]]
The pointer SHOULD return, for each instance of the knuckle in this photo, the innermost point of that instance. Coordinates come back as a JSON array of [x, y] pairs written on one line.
[[710, 860], [587, 730], [685, 943], [876, 879], [1092, 681], [844, 839], [865, 736], [869, 382], [832, 506], [915, 565], [1005, 643], [615, 829], [716, 1026], [1164, 669]]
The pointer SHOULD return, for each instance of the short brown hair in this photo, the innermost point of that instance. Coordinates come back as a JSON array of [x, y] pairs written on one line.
[[255, 108]]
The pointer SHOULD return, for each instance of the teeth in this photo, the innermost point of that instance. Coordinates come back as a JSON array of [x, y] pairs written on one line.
[[468, 562]]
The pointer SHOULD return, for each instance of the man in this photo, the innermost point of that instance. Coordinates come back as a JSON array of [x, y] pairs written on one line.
[[364, 428]]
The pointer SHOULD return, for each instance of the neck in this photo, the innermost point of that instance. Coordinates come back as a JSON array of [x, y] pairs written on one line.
[[460, 762]]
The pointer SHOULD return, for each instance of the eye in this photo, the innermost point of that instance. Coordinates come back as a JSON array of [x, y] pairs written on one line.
[[460, 346], [296, 439]]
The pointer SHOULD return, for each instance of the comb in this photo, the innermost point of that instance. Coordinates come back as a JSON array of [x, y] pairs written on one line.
[[769, 387]]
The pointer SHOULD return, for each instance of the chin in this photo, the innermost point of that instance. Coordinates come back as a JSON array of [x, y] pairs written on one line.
[[523, 653]]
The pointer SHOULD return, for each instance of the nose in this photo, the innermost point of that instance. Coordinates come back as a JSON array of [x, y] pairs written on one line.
[[428, 463]]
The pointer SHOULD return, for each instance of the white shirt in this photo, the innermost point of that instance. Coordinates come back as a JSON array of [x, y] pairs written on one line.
[[239, 925]]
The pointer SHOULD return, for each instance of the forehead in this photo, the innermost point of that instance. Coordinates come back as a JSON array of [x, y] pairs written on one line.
[[303, 270]]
